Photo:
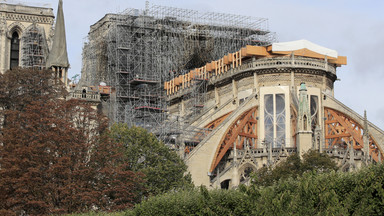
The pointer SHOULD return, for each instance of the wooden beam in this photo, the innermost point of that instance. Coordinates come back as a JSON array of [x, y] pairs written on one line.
[[341, 60], [247, 135], [234, 131], [303, 52], [346, 126], [255, 51]]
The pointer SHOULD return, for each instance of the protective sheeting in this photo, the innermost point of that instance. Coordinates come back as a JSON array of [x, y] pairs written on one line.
[[303, 44]]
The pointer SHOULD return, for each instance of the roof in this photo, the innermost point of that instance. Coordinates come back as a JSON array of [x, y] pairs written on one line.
[[303, 44], [58, 55]]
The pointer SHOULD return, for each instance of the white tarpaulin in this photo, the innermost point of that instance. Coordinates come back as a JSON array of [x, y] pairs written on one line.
[[301, 44]]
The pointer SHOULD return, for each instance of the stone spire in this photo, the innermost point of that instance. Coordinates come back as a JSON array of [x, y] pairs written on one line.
[[304, 131], [58, 56], [304, 112]]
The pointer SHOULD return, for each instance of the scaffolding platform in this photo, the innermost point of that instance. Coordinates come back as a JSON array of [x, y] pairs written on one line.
[[155, 109], [143, 81], [129, 97], [198, 106]]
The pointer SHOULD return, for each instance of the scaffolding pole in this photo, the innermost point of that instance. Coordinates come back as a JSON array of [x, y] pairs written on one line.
[[136, 51], [34, 51]]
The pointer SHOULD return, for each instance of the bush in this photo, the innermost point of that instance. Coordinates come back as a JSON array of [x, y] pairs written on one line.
[[313, 193]]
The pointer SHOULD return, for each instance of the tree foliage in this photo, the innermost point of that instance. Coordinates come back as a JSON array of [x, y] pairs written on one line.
[[19, 87], [332, 193], [163, 169], [53, 156], [293, 167], [197, 201]]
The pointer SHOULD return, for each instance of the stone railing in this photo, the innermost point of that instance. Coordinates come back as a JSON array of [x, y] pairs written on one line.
[[88, 96], [261, 152], [341, 153], [278, 62]]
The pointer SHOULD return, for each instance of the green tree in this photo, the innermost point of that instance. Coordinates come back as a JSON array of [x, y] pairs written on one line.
[[320, 162], [293, 167], [164, 170], [53, 156]]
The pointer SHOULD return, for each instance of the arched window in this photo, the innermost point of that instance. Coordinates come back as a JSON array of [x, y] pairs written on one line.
[[15, 47], [274, 119]]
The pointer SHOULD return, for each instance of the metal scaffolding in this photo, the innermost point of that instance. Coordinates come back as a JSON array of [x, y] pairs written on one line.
[[135, 51], [34, 51]]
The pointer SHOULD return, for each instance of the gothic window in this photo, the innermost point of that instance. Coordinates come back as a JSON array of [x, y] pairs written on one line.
[[314, 111], [274, 119], [280, 119], [15, 47], [268, 118]]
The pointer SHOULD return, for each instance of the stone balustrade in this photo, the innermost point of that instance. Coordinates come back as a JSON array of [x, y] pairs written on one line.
[[88, 96], [272, 63]]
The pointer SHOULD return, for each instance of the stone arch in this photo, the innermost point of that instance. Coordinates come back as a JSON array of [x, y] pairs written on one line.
[[207, 129], [213, 124], [243, 131], [225, 184], [245, 171], [341, 129], [15, 27]]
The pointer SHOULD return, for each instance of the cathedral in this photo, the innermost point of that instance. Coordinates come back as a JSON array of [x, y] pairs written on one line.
[[262, 104], [228, 105], [30, 38]]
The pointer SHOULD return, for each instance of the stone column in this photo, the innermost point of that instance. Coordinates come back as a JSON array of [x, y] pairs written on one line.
[[270, 153], [255, 82], [235, 174], [324, 86], [351, 157]]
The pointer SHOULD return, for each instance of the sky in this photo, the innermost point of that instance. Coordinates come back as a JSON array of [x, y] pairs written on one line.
[[354, 28]]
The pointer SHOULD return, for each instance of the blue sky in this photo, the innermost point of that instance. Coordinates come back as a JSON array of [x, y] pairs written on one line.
[[354, 28]]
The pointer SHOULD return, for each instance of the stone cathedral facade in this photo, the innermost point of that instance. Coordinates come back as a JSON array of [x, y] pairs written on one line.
[[30, 38]]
